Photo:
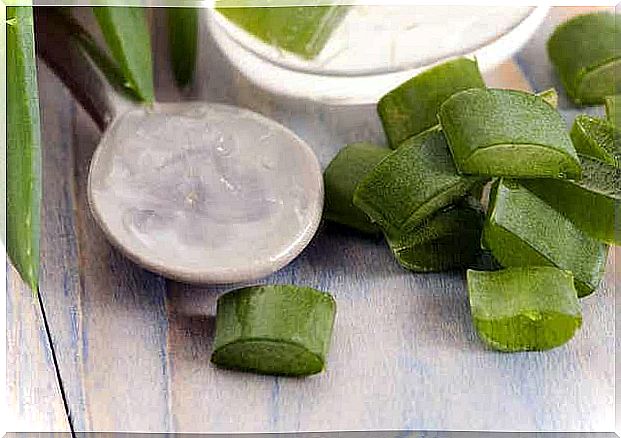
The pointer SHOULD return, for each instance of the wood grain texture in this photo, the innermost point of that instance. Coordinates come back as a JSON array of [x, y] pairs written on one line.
[[134, 348], [33, 395]]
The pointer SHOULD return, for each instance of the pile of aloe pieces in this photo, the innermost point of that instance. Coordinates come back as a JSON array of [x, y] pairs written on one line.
[[491, 179]]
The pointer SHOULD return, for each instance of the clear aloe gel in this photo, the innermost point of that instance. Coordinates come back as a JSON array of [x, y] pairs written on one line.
[[198, 192], [522, 309]]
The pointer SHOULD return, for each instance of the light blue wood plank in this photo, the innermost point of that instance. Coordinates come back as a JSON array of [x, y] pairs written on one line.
[[34, 399]]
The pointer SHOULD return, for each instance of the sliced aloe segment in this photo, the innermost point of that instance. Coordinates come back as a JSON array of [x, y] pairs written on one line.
[[592, 203], [341, 177], [507, 133], [303, 30], [523, 230], [586, 53], [23, 185], [522, 309], [613, 110], [278, 329], [449, 239], [412, 183], [598, 139], [412, 107], [127, 35]]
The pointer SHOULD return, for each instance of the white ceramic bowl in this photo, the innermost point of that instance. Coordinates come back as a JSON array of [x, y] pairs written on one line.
[[266, 66]]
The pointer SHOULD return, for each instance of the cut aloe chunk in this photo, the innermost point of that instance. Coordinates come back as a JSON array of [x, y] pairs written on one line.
[[613, 110], [341, 177], [597, 139], [411, 184], [411, 108], [586, 52], [449, 239], [279, 329], [507, 133], [303, 30], [592, 203], [521, 309], [523, 230]]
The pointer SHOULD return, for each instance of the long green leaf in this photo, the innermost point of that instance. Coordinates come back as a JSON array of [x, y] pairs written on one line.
[[183, 41], [23, 147], [127, 35]]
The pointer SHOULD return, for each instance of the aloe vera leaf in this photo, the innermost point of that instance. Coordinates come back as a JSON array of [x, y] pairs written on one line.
[[342, 176], [127, 36], [586, 53], [597, 139], [412, 107], [522, 309], [23, 147], [183, 43], [592, 203], [302, 30], [507, 133], [108, 66], [412, 183], [523, 230], [274, 329], [613, 110], [449, 239]]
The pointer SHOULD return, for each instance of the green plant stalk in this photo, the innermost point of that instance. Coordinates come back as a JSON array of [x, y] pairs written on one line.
[[302, 30], [274, 329], [412, 183], [412, 107], [586, 53], [592, 204], [23, 147], [127, 36], [341, 177], [449, 239], [522, 309], [507, 133], [183, 43], [597, 139], [523, 230]]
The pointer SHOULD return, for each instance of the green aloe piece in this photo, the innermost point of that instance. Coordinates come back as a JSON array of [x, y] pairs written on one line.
[[183, 43], [523, 230], [278, 329], [127, 35], [412, 107], [507, 133], [613, 110], [586, 52], [341, 177], [523, 309], [592, 203], [449, 239], [597, 138], [412, 183], [302, 30], [23, 183]]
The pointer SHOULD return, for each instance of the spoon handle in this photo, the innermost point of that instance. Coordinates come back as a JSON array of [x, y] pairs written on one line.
[[57, 44]]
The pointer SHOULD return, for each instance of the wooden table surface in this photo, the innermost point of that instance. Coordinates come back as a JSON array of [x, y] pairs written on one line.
[[133, 348]]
